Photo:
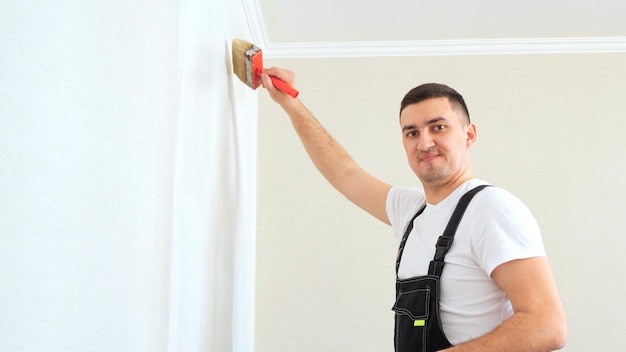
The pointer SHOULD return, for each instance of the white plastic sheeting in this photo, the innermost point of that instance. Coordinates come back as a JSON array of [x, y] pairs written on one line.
[[127, 177], [215, 189]]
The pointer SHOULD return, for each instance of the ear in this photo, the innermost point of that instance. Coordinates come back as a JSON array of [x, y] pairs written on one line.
[[472, 134]]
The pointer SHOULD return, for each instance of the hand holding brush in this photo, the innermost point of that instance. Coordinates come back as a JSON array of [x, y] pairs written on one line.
[[269, 76], [248, 67]]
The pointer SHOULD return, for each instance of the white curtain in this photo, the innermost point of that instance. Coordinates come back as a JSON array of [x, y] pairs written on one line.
[[127, 177]]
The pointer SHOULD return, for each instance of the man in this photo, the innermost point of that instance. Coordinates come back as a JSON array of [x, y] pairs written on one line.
[[497, 289]]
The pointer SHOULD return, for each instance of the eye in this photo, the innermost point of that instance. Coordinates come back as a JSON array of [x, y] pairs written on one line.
[[439, 127], [411, 133]]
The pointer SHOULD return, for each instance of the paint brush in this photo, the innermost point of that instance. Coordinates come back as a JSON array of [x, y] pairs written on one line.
[[248, 66]]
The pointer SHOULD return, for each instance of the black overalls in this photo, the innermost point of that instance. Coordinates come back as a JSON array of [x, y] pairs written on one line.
[[418, 323]]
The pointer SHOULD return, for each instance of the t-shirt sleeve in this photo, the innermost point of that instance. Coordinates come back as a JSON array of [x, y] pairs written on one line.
[[508, 231], [402, 204]]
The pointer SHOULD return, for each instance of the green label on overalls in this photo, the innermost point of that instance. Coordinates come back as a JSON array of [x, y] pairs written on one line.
[[419, 323]]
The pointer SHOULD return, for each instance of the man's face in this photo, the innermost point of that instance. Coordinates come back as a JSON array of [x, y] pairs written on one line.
[[437, 140]]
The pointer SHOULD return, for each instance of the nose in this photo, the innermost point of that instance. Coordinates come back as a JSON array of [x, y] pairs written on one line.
[[426, 141]]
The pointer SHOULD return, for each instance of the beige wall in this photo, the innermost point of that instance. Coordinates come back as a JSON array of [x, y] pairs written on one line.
[[550, 130]]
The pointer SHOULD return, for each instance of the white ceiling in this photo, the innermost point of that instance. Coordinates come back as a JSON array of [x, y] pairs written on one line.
[[293, 28]]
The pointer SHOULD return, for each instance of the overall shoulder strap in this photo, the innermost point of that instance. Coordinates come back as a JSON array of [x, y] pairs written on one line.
[[408, 230], [445, 240]]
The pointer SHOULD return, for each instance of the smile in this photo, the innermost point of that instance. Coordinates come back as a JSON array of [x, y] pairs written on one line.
[[428, 157]]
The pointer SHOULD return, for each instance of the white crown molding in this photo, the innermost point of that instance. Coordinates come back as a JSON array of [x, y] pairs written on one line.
[[503, 46], [447, 47], [256, 23]]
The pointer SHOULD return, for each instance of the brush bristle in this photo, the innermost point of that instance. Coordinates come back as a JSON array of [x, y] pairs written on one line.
[[239, 49]]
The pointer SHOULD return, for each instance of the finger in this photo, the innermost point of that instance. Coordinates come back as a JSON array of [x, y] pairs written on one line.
[[283, 74], [267, 81], [272, 71]]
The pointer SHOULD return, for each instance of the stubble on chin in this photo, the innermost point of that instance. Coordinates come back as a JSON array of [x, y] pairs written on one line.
[[434, 176]]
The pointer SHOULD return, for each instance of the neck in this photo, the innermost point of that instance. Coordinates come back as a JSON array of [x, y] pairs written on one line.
[[436, 192]]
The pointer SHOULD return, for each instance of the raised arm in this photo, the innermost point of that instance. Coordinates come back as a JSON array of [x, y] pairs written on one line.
[[330, 158]]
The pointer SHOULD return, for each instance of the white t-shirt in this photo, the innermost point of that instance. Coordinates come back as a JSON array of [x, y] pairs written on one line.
[[496, 228]]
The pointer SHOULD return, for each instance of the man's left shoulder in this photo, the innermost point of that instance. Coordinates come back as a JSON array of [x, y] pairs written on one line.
[[497, 200]]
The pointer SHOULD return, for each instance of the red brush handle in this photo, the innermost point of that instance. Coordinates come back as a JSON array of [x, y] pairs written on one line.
[[284, 87]]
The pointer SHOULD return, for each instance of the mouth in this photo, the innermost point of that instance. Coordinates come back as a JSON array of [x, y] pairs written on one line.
[[427, 157]]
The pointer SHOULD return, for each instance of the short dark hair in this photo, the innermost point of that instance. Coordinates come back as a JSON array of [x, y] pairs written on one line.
[[435, 90]]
